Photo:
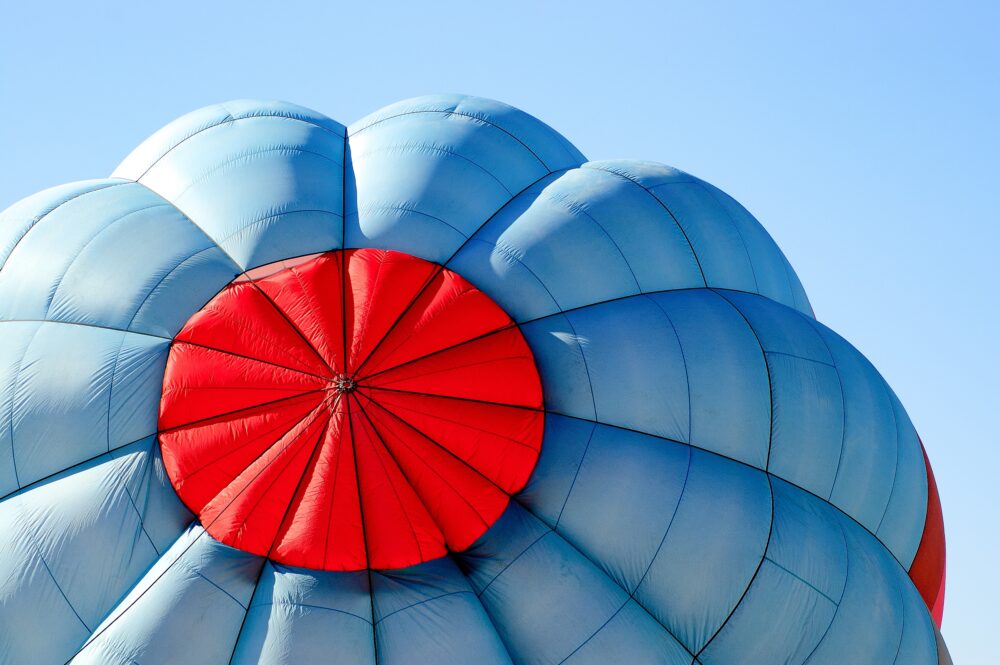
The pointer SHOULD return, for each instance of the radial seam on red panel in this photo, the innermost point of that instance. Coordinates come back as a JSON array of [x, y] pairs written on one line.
[[395, 493], [450, 347], [288, 463], [465, 399], [388, 449], [226, 453], [294, 327], [456, 422], [246, 357], [442, 447], [361, 330], [240, 410], [305, 472]]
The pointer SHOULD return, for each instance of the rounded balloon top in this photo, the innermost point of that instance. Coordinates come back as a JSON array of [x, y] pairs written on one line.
[[434, 388]]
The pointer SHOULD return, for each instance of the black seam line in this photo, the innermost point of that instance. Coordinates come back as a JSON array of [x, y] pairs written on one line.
[[441, 267], [230, 119], [680, 348], [767, 369], [52, 475], [902, 624], [339, 445], [239, 267], [576, 474], [204, 529], [663, 205], [455, 112], [246, 157], [424, 435], [479, 601], [294, 327], [237, 411], [760, 564], [599, 629], [427, 600], [231, 597], [463, 399], [428, 466], [410, 146], [800, 579], [37, 220], [739, 234], [670, 523], [178, 342], [79, 252], [536, 409], [395, 494], [364, 530], [895, 466], [30, 537], [361, 327], [843, 591], [281, 603], [87, 325]]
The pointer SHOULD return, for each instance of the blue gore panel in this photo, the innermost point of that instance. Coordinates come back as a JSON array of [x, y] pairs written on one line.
[[416, 606], [72, 392], [307, 616], [187, 608], [264, 180]]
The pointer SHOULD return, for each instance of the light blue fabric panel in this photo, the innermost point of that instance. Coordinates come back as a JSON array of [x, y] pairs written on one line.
[[308, 616], [188, 608], [548, 146], [714, 544], [727, 376], [75, 543], [627, 352], [564, 445], [779, 328], [429, 614], [544, 596], [583, 237], [22, 216], [880, 611], [120, 257], [631, 636], [868, 461], [422, 180], [808, 422], [902, 526], [562, 366], [265, 180], [76, 392], [730, 245], [623, 500]]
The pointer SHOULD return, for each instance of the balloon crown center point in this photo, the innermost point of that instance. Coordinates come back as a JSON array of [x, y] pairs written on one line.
[[344, 384]]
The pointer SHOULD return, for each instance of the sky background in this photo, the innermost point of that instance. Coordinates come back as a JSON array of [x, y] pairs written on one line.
[[864, 136]]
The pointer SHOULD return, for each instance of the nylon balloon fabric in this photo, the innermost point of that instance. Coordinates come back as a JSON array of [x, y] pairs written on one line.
[[433, 388]]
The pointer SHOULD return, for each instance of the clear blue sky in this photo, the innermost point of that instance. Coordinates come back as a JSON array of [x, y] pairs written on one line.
[[865, 136]]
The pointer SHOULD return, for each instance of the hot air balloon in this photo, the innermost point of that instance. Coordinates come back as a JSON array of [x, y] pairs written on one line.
[[434, 388]]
